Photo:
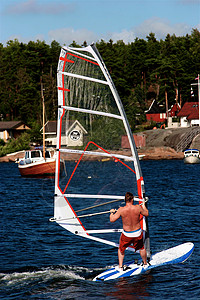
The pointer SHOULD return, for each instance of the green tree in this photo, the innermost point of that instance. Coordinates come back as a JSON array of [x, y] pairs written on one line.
[[141, 70]]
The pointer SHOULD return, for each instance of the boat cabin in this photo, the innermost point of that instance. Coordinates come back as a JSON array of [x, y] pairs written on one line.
[[191, 152], [34, 156]]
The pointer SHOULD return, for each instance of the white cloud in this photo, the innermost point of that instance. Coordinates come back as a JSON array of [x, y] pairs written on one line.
[[68, 35], [156, 25], [125, 35], [161, 28], [35, 7]]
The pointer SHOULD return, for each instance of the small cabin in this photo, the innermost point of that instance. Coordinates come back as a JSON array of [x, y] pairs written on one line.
[[12, 129]]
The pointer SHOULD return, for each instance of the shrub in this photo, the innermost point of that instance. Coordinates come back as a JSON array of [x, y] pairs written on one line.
[[14, 145], [2, 143]]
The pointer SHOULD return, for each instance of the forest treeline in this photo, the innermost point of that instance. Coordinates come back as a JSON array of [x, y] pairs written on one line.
[[143, 70]]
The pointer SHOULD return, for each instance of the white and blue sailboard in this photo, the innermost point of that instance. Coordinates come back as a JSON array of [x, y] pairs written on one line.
[[174, 255], [91, 125]]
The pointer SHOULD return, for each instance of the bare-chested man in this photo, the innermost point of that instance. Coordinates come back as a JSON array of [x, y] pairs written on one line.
[[132, 233]]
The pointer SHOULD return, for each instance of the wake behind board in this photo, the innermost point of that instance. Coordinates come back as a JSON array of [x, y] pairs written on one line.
[[177, 254]]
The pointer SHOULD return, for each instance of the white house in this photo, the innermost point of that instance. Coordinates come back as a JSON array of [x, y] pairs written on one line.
[[72, 133]]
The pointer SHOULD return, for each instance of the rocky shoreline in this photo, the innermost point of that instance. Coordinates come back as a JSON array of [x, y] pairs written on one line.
[[158, 153], [150, 153], [160, 144]]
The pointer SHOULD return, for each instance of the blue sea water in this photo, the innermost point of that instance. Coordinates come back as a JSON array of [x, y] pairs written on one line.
[[40, 260]]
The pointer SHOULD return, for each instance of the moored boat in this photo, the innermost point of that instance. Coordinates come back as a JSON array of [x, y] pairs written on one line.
[[35, 164], [38, 162], [191, 156]]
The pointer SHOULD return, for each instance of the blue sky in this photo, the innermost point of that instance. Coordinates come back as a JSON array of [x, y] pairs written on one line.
[[93, 20]]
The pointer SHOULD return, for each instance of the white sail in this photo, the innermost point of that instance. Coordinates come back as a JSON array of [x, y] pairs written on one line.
[[91, 124]]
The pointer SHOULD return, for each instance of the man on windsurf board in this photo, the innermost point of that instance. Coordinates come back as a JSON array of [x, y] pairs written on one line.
[[132, 234]]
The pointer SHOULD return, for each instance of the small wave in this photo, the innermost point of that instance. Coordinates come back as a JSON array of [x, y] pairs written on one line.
[[45, 274]]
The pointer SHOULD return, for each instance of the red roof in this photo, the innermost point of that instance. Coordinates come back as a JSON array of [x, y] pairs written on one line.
[[173, 111], [189, 110]]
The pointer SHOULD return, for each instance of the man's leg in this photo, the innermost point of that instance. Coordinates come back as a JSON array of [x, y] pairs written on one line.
[[121, 258], [143, 254]]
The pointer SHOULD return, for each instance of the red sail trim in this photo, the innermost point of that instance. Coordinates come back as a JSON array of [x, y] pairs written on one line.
[[66, 60], [74, 171], [90, 61], [63, 89], [117, 159], [59, 175], [59, 151], [112, 156], [58, 166], [61, 128], [59, 145], [75, 215], [139, 187]]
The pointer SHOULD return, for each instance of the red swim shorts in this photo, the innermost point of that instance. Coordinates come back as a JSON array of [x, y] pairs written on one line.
[[134, 242]]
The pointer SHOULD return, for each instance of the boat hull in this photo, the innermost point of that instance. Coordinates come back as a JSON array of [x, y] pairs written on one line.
[[44, 168], [191, 160], [191, 156]]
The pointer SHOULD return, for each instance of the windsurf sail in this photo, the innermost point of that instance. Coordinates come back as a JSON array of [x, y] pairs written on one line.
[[91, 124]]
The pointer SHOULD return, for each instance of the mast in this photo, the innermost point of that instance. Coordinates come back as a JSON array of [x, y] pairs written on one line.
[[43, 117]]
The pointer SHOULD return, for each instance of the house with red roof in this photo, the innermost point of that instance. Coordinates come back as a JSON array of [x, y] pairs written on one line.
[[155, 113], [189, 114]]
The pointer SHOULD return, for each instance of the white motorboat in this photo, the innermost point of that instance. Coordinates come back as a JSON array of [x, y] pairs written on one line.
[[191, 156]]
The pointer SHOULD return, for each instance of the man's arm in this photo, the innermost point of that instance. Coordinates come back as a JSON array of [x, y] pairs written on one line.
[[114, 215], [143, 210]]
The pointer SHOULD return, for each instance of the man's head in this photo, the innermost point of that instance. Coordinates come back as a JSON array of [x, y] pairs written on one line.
[[128, 197]]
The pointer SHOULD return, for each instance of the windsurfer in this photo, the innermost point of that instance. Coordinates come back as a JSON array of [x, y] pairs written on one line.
[[132, 233]]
